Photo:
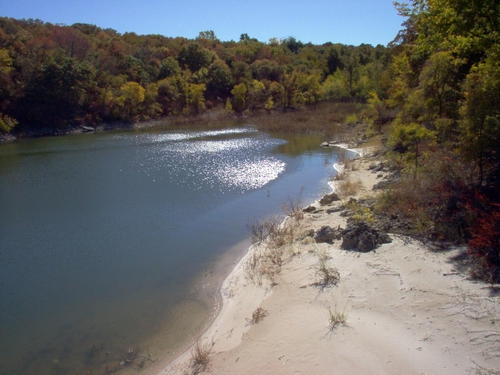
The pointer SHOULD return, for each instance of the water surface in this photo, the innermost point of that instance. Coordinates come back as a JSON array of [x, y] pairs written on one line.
[[105, 237]]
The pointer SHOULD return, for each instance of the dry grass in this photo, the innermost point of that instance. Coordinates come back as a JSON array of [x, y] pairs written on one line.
[[266, 263], [336, 318], [346, 187], [328, 276], [294, 208], [322, 118], [274, 231], [200, 357], [261, 230], [271, 237], [258, 315]]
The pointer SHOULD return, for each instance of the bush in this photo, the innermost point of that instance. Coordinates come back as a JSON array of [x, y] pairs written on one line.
[[336, 318], [348, 187], [484, 244], [200, 357], [328, 275], [258, 315]]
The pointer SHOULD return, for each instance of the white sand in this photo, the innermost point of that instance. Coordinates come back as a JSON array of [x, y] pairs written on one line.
[[408, 310]]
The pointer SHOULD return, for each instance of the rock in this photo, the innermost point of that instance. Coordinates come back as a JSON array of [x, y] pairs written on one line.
[[362, 237], [328, 234], [87, 129], [337, 208], [382, 185], [309, 209], [329, 198], [307, 233]]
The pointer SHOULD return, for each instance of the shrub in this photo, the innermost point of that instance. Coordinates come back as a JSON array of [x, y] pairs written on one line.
[[264, 262], [200, 357], [484, 244], [336, 318], [360, 213], [346, 187], [261, 230], [328, 275], [258, 315], [293, 208]]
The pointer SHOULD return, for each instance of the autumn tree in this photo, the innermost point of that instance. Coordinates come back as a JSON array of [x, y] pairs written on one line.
[[54, 77], [195, 99], [239, 93], [131, 95]]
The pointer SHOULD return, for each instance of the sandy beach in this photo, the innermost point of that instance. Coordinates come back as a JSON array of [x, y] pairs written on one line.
[[403, 308]]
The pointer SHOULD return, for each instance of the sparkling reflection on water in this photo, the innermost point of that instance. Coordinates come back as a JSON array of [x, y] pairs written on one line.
[[102, 237]]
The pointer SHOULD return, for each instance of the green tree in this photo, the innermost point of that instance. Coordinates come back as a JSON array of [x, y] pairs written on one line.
[[241, 72], [53, 95], [409, 137], [468, 29], [439, 79], [267, 69], [256, 94], [194, 57], [335, 86], [219, 80], [375, 111], [169, 67], [170, 95], [480, 125], [293, 44], [401, 72]]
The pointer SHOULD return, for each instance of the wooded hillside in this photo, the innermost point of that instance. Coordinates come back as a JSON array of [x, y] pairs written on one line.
[[445, 88], [54, 76]]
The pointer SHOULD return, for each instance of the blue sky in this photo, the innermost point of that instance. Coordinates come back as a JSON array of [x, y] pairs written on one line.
[[347, 21]]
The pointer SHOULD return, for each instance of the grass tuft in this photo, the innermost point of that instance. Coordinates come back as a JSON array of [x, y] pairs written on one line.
[[200, 357], [258, 315], [336, 318], [329, 276]]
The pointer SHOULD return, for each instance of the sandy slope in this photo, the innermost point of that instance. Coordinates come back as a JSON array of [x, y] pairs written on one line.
[[409, 311]]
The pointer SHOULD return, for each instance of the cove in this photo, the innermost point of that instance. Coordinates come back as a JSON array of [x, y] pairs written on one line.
[[111, 244]]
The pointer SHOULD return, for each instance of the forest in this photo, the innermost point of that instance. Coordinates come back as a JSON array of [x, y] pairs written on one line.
[[55, 77], [445, 88], [434, 92]]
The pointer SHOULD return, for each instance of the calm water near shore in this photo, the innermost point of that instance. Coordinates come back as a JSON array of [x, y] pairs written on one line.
[[109, 241]]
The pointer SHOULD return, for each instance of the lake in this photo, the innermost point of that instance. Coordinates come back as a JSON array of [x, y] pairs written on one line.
[[113, 245]]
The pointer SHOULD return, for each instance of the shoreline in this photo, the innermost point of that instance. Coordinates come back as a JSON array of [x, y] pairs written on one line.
[[211, 280], [224, 291], [224, 294], [401, 316]]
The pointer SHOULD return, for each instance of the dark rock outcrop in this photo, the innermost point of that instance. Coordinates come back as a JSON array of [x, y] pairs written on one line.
[[329, 198], [362, 237], [328, 234]]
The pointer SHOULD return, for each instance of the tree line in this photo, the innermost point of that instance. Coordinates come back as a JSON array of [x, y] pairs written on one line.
[[445, 93], [54, 77]]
